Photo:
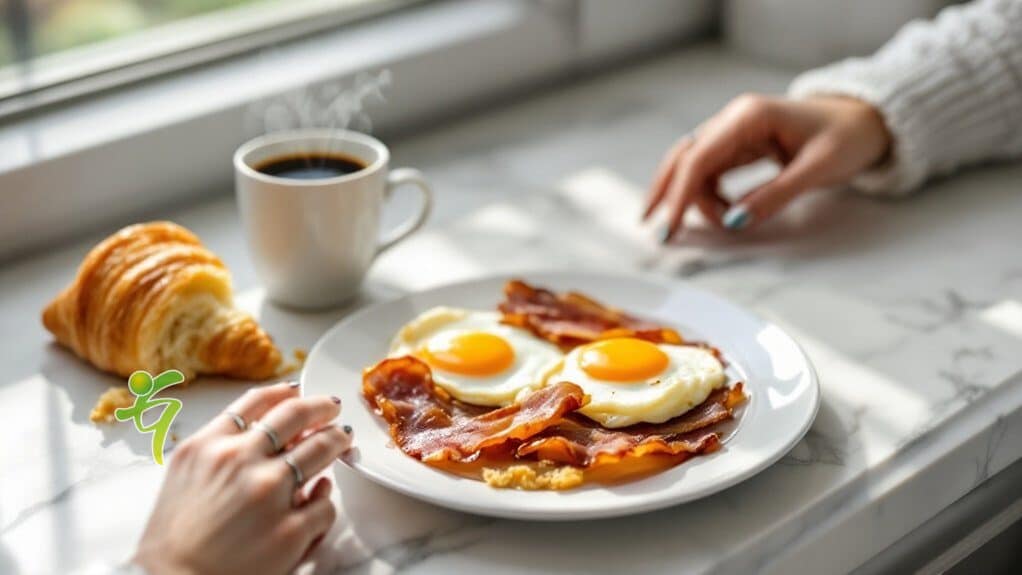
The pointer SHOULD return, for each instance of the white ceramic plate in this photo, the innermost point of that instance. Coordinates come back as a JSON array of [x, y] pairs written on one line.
[[783, 397]]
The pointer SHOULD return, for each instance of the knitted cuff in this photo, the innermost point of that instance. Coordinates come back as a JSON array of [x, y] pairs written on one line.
[[907, 165], [944, 89]]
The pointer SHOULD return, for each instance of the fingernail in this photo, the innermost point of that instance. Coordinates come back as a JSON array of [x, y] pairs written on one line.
[[737, 217], [665, 236], [335, 399], [347, 429], [294, 384]]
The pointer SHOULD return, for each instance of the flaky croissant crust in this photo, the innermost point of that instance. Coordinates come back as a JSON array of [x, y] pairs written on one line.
[[152, 297]]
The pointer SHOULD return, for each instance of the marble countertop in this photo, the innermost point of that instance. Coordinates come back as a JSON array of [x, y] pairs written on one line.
[[911, 312]]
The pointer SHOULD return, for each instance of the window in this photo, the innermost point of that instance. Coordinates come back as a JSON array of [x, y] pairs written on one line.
[[55, 49], [445, 57]]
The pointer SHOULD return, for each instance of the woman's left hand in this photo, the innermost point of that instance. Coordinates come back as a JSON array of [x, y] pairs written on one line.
[[821, 141], [232, 502]]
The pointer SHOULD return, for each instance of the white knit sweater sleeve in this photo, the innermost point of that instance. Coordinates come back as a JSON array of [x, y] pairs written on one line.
[[950, 91]]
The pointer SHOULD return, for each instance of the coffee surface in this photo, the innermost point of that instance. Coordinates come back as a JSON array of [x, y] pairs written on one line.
[[310, 166]]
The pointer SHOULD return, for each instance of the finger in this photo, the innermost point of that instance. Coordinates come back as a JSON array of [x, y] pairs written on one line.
[[317, 514], [664, 175], [741, 135], [252, 405], [809, 168], [302, 496], [688, 185], [292, 416], [716, 151], [713, 207], [320, 449], [321, 490]]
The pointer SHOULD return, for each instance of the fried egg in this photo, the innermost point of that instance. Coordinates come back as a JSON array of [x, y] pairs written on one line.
[[629, 380], [476, 358]]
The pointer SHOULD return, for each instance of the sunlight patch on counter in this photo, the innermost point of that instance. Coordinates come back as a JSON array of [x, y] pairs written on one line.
[[1005, 315]]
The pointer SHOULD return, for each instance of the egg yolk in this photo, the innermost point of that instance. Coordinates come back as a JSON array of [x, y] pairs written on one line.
[[471, 353], [623, 359]]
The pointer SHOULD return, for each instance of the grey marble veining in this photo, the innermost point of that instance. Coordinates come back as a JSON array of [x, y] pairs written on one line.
[[911, 312]]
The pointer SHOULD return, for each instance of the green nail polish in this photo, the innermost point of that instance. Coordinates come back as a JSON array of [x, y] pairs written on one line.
[[736, 218]]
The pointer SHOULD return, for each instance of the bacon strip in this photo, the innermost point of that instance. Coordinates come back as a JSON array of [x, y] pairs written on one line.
[[427, 423], [582, 442], [430, 425], [571, 319]]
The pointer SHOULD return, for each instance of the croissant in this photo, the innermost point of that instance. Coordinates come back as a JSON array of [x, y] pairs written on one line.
[[152, 297]]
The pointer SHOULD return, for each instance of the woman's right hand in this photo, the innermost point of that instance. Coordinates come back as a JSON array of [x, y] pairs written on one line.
[[231, 504], [820, 141]]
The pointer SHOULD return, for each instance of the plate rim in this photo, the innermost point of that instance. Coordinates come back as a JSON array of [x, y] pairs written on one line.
[[590, 513]]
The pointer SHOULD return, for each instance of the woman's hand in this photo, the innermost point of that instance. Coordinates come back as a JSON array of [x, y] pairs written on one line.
[[820, 141], [231, 504]]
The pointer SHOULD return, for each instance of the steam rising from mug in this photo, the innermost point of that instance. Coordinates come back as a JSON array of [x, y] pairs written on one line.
[[337, 105]]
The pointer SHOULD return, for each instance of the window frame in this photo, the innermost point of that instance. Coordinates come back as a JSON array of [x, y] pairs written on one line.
[[171, 137], [172, 47]]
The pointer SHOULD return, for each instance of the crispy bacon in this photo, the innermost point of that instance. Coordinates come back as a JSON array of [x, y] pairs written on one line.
[[571, 319], [582, 442], [427, 423], [430, 425]]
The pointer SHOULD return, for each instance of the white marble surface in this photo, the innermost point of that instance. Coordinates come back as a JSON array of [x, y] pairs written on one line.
[[911, 312]]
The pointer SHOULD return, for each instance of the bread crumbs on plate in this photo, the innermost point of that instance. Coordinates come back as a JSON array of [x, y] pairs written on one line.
[[529, 478]]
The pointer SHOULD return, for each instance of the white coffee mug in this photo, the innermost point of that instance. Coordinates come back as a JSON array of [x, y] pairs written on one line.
[[312, 240]]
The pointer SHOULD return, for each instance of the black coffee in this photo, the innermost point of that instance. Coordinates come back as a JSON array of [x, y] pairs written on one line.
[[310, 166]]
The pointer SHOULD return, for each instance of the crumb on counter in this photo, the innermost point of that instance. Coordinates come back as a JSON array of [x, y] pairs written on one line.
[[525, 477], [296, 365], [110, 401]]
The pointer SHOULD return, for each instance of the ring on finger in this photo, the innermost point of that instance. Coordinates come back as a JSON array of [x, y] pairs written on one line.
[[295, 470], [270, 433], [238, 420]]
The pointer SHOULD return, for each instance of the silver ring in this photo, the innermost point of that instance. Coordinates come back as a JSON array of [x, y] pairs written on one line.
[[299, 476], [270, 433], [238, 420]]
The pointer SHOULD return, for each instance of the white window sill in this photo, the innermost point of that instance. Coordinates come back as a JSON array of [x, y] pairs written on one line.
[[101, 160]]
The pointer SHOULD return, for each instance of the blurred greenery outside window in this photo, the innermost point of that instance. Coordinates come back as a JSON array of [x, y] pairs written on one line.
[[59, 25], [52, 51]]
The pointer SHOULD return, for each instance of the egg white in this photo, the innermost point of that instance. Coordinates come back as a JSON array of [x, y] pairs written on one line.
[[691, 375], [534, 358]]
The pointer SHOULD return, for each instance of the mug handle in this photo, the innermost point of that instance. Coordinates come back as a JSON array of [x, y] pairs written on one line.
[[395, 179]]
